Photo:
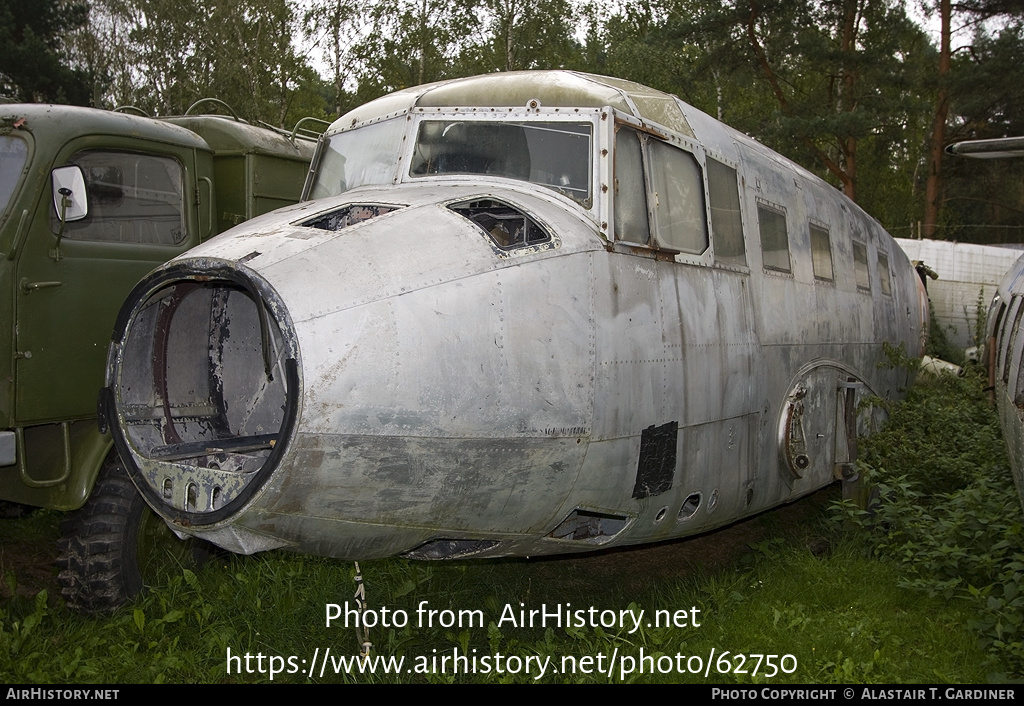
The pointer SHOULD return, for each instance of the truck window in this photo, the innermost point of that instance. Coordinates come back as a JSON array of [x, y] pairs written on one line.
[[366, 155], [133, 198], [553, 154], [13, 153]]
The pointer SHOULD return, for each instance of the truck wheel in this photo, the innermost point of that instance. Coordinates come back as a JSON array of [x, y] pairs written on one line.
[[13, 511], [115, 545]]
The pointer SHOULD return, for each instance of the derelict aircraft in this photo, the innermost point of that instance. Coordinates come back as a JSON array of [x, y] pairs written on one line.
[[1004, 340], [516, 314]]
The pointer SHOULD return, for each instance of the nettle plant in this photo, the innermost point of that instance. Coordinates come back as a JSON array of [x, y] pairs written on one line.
[[949, 512]]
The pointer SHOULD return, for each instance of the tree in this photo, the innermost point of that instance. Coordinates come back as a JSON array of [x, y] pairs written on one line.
[[832, 84], [255, 61], [32, 63], [413, 42], [163, 55], [818, 80], [525, 34], [838, 71], [636, 43], [947, 95], [983, 200], [333, 26]]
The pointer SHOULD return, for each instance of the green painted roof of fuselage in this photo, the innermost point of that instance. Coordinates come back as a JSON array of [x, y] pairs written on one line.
[[561, 89]]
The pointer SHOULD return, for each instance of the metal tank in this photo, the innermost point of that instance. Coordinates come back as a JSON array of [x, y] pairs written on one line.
[[968, 276]]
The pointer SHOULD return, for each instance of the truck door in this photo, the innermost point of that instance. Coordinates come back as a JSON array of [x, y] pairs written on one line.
[[68, 293]]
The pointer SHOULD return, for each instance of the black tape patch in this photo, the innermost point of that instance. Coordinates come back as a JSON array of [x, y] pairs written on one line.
[[657, 462]]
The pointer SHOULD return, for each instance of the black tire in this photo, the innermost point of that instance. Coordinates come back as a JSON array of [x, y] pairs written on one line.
[[115, 545], [13, 511]]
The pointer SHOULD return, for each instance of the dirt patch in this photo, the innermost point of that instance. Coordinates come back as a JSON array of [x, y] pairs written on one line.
[[28, 550], [635, 569]]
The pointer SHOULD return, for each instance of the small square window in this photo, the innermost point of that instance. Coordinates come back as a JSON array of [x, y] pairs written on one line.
[[821, 253], [774, 238], [726, 224], [883, 274], [860, 266]]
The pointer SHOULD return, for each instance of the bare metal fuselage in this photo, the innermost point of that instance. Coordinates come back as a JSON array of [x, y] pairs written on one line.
[[1004, 352], [403, 384], [1003, 338]]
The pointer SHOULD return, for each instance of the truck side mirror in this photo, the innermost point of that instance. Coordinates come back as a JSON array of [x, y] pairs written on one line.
[[69, 197]]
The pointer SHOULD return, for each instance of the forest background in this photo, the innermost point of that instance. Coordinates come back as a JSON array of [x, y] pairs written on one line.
[[857, 91]]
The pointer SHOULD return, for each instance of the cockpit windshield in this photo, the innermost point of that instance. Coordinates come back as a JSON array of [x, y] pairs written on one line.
[[367, 155], [13, 153], [553, 154]]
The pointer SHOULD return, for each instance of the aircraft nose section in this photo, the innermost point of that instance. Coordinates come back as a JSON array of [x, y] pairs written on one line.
[[203, 379]]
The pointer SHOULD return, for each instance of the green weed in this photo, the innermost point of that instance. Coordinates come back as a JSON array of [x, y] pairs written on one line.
[[899, 596], [950, 516]]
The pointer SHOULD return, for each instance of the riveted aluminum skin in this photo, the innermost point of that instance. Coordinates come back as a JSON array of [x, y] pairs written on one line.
[[1003, 353], [453, 395]]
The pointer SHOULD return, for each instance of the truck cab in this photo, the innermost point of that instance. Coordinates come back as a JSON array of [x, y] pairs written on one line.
[[91, 201]]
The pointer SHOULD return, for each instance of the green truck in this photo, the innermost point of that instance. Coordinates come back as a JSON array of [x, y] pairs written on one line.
[[91, 201]]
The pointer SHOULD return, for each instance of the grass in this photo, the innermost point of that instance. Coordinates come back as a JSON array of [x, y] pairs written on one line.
[[883, 598], [842, 617]]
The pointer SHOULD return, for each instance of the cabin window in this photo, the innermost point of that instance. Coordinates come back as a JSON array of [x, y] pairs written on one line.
[[1010, 342], [994, 326], [631, 224], [883, 274], [821, 253], [726, 223], [771, 222], [367, 155], [1015, 352], [556, 155], [860, 266], [133, 198], [680, 219], [1003, 345]]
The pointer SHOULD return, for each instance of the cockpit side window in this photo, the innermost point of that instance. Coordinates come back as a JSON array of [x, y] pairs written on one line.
[[657, 184], [631, 222], [678, 192], [556, 155]]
